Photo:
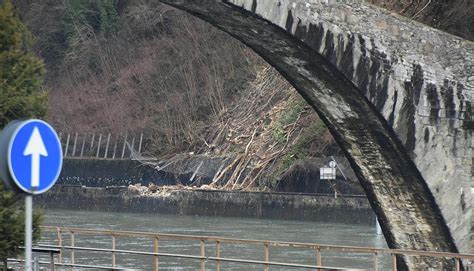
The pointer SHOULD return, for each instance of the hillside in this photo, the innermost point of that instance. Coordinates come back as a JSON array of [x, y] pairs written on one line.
[[138, 66], [124, 66]]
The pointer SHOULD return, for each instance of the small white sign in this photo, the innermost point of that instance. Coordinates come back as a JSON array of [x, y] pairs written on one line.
[[327, 173]]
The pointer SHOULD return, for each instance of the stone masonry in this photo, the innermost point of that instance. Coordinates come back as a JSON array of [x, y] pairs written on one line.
[[420, 79], [377, 81]]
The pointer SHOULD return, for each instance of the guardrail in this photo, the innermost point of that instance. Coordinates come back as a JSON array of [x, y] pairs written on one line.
[[71, 234]]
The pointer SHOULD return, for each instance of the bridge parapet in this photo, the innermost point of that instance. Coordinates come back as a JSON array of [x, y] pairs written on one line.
[[419, 78]]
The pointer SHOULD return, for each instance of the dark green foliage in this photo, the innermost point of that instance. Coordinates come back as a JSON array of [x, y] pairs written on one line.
[[289, 117], [301, 148], [21, 71], [85, 17], [108, 16], [294, 111], [86, 24], [20, 97], [12, 224]]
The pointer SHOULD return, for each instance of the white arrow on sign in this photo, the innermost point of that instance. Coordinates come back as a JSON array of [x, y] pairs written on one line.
[[35, 148]]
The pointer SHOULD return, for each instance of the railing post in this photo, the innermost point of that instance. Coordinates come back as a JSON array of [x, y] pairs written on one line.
[[51, 261], [318, 256], [113, 251], [67, 145], [140, 144], [458, 264], [92, 145], [72, 248], [60, 244], [115, 147], [36, 264], [107, 147], [203, 254], [74, 147], [124, 144], [156, 259], [133, 147], [83, 144], [376, 262], [218, 255], [394, 262], [98, 145], [266, 256]]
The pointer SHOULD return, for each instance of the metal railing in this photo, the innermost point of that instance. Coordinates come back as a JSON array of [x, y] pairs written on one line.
[[104, 146], [38, 250], [71, 233]]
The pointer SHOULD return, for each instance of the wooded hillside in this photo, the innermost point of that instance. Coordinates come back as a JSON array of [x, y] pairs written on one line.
[[116, 66], [121, 66]]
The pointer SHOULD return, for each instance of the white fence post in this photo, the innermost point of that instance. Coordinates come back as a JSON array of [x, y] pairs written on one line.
[[83, 144], [74, 147], [124, 143], [98, 145], [92, 144], [132, 149], [67, 145], [140, 144], [107, 147], [115, 147]]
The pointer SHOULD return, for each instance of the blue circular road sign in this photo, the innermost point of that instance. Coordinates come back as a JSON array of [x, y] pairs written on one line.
[[34, 156]]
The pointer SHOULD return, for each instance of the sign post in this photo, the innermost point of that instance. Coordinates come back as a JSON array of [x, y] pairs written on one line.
[[30, 163], [28, 230]]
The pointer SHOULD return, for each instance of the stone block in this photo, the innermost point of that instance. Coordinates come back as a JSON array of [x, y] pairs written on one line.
[[381, 24], [467, 161], [436, 56]]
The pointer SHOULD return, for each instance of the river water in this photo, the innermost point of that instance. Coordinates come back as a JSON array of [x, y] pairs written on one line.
[[242, 228]]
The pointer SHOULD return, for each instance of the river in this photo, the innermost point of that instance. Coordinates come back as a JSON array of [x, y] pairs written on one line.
[[242, 228]]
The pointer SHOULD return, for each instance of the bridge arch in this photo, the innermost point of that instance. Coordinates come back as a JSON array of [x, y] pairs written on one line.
[[407, 211]]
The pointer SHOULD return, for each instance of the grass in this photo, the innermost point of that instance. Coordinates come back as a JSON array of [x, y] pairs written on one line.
[[288, 117], [300, 150]]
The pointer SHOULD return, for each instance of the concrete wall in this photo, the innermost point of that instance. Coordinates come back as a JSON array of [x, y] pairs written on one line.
[[212, 203], [419, 78], [91, 172], [102, 173]]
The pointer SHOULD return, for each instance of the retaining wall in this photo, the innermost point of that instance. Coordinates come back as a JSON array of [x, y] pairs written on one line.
[[323, 208]]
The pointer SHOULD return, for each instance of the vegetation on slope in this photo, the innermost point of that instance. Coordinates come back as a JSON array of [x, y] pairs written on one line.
[[119, 66], [141, 66]]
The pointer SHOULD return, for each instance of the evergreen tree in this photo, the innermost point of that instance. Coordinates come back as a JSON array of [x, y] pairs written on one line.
[[20, 97], [21, 71]]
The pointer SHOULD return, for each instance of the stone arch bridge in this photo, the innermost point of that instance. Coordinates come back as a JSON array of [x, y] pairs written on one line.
[[396, 95]]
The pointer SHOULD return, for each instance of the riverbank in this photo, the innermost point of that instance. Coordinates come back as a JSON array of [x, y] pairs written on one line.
[[265, 205]]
